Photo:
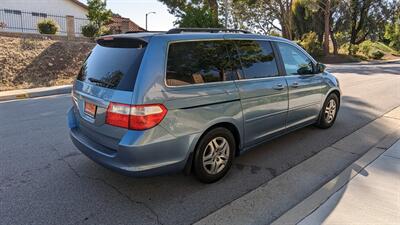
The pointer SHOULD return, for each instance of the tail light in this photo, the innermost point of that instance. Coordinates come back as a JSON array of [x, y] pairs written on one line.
[[135, 117]]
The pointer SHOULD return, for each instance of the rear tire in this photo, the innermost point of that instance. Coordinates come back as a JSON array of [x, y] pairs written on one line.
[[328, 112], [214, 155]]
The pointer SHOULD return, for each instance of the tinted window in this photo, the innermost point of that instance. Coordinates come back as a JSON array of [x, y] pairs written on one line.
[[113, 64], [296, 62], [257, 58], [198, 62]]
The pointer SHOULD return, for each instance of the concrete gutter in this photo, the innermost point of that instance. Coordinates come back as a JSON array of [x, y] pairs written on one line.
[[34, 92], [367, 143]]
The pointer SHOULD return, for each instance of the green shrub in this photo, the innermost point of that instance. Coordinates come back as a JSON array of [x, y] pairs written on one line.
[[366, 47], [310, 43], [377, 54], [384, 48], [353, 49], [392, 34], [28, 44], [2, 25], [104, 31], [395, 44], [89, 30], [342, 38], [48, 26]]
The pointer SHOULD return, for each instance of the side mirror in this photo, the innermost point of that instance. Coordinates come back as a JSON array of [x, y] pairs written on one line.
[[320, 68]]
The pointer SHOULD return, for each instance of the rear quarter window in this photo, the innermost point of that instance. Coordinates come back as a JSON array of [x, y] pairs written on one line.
[[113, 64]]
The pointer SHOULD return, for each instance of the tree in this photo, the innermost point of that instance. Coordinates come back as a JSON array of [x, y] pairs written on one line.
[[254, 15], [392, 29], [261, 15], [326, 7], [184, 9], [197, 17], [98, 15], [285, 15], [365, 16], [307, 19]]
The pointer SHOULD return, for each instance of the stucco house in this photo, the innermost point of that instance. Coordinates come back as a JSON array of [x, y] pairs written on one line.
[[23, 15]]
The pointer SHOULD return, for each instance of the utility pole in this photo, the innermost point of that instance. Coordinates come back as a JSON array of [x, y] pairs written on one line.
[[147, 15]]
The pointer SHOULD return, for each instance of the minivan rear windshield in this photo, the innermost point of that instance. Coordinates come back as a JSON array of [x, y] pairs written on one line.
[[113, 63]]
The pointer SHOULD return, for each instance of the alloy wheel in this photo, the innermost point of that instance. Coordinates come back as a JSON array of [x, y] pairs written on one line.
[[330, 111], [216, 155]]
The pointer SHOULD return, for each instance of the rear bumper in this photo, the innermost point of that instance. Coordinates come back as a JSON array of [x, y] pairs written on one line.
[[167, 154]]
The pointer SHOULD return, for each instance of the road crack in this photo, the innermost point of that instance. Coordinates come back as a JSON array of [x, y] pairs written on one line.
[[110, 185], [255, 169], [338, 149]]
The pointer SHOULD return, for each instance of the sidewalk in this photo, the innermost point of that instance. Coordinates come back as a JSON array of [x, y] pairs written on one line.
[[34, 92], [371, 197]]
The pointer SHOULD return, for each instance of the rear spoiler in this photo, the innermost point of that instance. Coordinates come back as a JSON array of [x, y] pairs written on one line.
[[121, 42]]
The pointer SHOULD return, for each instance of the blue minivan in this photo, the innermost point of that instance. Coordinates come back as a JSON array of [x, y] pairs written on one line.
[[193, 99]]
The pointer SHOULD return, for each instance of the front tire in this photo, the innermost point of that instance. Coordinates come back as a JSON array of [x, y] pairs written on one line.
[[214, 155], [329, 112]]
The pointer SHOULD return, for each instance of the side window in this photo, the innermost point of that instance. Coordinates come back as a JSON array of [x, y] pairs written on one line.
[[295, 61], [198, 62], [44, 15], [257, 58], [11, 11]]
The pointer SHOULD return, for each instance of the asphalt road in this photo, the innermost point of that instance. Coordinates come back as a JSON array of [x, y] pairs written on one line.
[[45, 180]]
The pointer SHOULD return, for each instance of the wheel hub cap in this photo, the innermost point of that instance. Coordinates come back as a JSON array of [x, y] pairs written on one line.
[[330, 111], [216, 155]]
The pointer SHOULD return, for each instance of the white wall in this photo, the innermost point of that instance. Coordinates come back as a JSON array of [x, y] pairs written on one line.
[[26, 22], [56, 7]]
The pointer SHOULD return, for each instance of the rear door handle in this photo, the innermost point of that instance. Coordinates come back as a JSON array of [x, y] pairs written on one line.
[[295, 84], [278, 87]]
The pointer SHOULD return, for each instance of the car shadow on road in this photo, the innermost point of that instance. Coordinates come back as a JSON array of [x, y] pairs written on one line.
[[180, 199]]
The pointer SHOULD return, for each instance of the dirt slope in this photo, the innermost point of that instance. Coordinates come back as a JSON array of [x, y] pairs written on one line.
[[29, 63]]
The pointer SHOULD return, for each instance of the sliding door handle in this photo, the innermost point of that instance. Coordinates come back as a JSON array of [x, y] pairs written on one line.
[[279, 87]]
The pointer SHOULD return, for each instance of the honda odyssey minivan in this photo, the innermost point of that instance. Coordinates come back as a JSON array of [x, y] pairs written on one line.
[[193, 99]]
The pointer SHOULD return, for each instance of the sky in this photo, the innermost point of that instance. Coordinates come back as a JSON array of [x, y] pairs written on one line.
[[136, 10]]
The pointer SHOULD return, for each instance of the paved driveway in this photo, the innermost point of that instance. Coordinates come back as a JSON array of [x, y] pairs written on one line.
[[44, 179]]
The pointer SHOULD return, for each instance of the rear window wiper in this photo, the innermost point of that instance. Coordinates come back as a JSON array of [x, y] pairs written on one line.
[[108, 84]]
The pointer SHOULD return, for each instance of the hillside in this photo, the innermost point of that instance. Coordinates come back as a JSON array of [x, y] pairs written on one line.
[[29, 63]]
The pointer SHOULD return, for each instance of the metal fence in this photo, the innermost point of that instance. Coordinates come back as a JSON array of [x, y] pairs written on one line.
[[20, 21], [79, 23]]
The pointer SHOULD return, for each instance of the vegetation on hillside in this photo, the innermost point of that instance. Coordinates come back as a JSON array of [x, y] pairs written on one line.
[[30, 63]]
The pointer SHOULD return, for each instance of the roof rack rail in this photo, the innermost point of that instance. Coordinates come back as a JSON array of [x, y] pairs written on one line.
[[210, 30], [144, 31]]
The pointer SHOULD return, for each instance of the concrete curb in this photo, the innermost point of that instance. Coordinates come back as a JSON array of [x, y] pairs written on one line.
[[34, 92], [315, 200]]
